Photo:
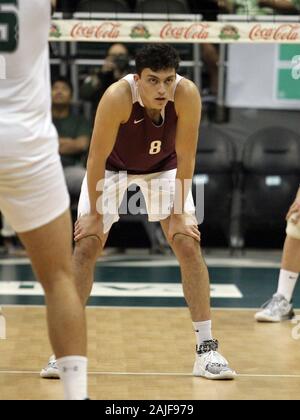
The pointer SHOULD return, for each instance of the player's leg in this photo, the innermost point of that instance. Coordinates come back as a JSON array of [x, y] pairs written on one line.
[[195, 279], [88, 250], [291, 255], [85, 256], [279, 307], [158, 190], [50, 251], [84, 259], [34, 199]]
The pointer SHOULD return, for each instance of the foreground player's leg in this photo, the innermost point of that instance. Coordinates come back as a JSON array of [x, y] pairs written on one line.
[[84, 260], [50, 250], [195, 279], [279, 307]]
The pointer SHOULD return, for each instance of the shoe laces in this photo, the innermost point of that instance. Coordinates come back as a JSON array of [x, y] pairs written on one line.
[[208, 351], [52, 362], [213, 358], [273, 305]]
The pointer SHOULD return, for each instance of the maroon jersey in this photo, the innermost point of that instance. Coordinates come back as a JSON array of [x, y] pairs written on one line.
[[141, 146]]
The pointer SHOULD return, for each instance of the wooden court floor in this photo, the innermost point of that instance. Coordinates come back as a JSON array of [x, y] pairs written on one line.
[[149, 354]]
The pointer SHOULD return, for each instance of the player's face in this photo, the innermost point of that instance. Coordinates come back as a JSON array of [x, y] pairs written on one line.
[[156, 88], [61, 94]]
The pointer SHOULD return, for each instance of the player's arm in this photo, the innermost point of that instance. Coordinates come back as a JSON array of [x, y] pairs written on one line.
[[188, 108], [113, 110], [53, 3], [111, 113], [278, 4]]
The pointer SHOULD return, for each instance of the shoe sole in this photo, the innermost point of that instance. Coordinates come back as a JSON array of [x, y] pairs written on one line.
[[264, 318], [49, 375], [225, 376]]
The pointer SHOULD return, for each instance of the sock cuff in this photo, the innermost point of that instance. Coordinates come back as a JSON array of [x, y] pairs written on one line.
[[289, 273], [77, 359], [201, 324]]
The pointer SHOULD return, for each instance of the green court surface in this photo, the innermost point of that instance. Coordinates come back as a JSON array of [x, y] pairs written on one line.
[[150, 282]]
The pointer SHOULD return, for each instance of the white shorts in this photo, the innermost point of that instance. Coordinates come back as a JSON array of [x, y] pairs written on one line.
[[159, 201], [33, 191]]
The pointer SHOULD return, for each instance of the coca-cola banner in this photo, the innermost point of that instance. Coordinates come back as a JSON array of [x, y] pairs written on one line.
[[192, 32]]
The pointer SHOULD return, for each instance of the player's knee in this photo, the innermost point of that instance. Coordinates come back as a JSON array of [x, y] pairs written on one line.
[[186, 246], [87, 249], [293, 230], [55, 278]]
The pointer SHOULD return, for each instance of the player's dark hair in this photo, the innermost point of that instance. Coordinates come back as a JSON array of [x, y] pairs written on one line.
[[157, 57]]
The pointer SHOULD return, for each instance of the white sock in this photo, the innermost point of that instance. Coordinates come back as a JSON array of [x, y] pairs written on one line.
[[287, 283], [73, 373], [202, 331]]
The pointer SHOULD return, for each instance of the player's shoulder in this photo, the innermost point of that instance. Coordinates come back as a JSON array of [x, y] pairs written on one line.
[[185, 89], [119, 98], [187, 96], [120, 91]]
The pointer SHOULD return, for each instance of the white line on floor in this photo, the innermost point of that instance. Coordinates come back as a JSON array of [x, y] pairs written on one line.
[[27, 372], [228, 262]]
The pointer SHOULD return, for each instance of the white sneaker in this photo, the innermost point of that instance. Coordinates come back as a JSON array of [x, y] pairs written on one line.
[[276, 309], [51, 370], [210, 364]]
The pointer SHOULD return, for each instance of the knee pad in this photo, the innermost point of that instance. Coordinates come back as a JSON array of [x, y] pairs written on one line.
[[293, 230]]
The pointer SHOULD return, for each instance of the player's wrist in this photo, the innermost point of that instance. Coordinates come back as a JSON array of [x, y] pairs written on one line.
[[176, 216], [95, 214]]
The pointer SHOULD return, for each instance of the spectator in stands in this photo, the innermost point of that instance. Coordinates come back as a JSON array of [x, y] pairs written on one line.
[[66, 6], [210, 55], [209, 9], [261, 7], [74, 135], [115, 67]]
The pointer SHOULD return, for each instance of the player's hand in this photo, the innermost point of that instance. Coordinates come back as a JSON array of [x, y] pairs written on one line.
[[178, 226], [89, 225], [65, 146], [294, 212]]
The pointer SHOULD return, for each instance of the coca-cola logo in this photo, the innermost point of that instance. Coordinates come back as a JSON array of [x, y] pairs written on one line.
[[106, 30], [192, 31], [284, 32]]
